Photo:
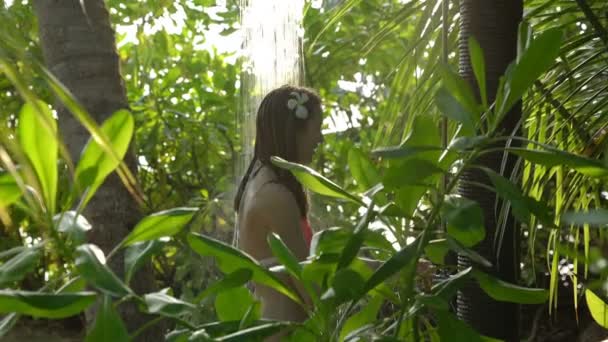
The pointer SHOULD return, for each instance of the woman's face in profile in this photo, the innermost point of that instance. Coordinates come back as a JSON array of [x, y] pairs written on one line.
[[309, 138]]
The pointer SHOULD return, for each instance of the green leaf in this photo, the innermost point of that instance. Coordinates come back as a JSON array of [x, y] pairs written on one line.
[[45, 305], [406, 257], [235, 279], [594, 217], [454, 330], [347, 284], [537, 58], [137, 254], [448, 288], [37, 134], [160, 224], [464, 220], [72, 224], [523, 206], [314, 181], [354, 243], [598, 308], [469, 253], [257, 333], [362, 169], [479, 68], [460, 90], [19, 266], [398, 152], [230, 259], [436, 251], [95, 164], [108, 325], [232, 305], [284, 255], [551, 158], [401, 174], [367, 315], [9, 190], [165, 305], [452, 109], [506, 292], [90, 262]]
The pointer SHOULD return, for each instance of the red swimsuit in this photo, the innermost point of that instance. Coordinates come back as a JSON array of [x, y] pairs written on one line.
[[306, 231]]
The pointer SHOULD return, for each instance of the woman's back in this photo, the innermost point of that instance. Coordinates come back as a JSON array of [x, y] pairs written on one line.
[[269, 207]]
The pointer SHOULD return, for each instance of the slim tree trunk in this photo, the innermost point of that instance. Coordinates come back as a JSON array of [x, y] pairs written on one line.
[[79, 49], [493, 23]]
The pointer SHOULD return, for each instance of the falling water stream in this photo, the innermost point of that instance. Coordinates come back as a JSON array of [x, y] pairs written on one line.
[[272, 47]]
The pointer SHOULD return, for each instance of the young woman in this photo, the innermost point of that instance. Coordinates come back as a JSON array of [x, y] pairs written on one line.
[[269, 199]]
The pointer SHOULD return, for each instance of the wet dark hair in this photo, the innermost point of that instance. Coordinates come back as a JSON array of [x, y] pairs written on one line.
[[276, 128]]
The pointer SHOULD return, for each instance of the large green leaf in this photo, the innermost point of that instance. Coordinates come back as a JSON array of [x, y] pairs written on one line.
[[19, 266], [593, 217], [550, 158], [37, 134], [165, 305], [256, 333], [460, 90], [365, 316], [230, 259], [90, 262], [464, 220], [453, 329], [362, 169], [410, 172], [9, 190], [160, 224], [537, 58], [284, 255], [406, 257], [523, 206], [314, 181], [137, 254], [452, 109], [232, 305], [235, 279], [598, 308], [95, 164], [347, 284], [479, 68], [45, 305], [108, 324], [506, 292]]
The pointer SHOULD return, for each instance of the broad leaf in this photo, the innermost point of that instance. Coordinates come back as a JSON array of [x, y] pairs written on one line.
[[347, 284], [506, 292], [460, 90], [232, 305], [314, 181], [550, 158], [362, 169], [598, 308], [230, 259], [90, 262], [537, 58], [447, 288], [160, 224], [19, 266], [95, 164], [45, 305], [436, 251], [464, 220], [237, 278], [594, 217], [469, 253], [284, 255], [137, 254], [365, 316], [454, 330], [165, 305], [410, 172], [108, 325], [406, 257], [37, 134], [9, 190], [452, 109], [479, 68]]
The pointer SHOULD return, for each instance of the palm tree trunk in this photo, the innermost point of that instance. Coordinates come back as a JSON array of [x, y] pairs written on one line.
[[494, 25], [79, 49]]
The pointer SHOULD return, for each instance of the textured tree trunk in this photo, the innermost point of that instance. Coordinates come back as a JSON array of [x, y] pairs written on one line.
[[494, 25], [79, 49]]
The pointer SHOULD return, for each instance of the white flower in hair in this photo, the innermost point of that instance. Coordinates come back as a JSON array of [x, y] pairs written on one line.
[[298, 104]]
